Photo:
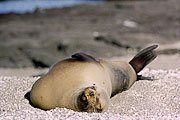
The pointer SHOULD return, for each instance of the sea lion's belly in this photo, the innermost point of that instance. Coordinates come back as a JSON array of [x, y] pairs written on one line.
[[122, 75], [65, 79]]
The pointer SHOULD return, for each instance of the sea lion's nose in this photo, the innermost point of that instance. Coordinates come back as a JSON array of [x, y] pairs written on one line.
[[91, 94]]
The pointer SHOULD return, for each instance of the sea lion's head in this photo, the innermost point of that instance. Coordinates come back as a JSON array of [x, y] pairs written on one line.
[[93, 99]]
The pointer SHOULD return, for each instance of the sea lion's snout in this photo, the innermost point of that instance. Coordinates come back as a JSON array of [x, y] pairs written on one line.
[[93, 100]]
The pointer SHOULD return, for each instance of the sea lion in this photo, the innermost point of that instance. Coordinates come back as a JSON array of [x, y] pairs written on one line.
[[85, 83]]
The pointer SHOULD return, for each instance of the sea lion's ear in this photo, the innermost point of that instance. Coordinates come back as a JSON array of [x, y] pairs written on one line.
[[84, 57]]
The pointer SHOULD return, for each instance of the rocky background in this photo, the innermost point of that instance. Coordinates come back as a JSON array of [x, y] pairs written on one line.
[[112, 29]]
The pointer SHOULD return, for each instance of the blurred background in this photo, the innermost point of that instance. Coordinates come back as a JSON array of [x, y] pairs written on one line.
[[23, 6], [37, 33]]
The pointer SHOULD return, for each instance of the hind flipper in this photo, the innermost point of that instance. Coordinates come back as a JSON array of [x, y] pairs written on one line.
[[140, 77], [143, 58]]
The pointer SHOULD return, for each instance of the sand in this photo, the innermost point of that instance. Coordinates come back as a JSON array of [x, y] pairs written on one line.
[[158, 99]]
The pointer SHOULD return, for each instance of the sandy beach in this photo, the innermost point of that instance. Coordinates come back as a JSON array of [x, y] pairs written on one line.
[[158, 99], [30, 43]]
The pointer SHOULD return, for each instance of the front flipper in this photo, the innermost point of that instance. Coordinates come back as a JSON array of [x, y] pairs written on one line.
[[84, 57]]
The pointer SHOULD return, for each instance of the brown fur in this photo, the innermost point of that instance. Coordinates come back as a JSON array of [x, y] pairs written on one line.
[[83, 83]]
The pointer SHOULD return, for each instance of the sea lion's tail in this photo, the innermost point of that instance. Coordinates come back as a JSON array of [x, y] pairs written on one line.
[[143, 58]]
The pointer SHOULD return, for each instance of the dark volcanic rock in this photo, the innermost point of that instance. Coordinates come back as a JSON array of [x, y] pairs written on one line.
[[46, 36]]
